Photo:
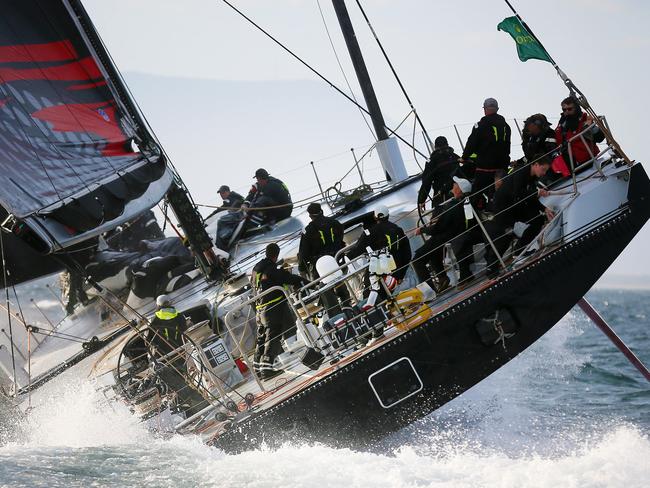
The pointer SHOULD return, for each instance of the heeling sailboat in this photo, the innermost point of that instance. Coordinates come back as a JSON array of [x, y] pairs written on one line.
[[77, 159], [335, 386]]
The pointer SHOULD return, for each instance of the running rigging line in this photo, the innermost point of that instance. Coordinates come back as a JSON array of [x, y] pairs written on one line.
[[317, 73], [399, 82], [338, 61]]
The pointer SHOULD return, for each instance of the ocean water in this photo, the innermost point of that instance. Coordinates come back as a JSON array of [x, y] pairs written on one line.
[[569, 412]]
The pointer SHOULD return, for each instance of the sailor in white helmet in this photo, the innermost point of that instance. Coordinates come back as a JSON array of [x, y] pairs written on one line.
[[167, 326], [384, 234]]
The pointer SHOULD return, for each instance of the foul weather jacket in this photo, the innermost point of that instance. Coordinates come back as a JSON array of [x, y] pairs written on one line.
[[385, 234], [266, 274], [322, 236], [567, 128], [451, 223], [490, 141], [517, 199], [167, 326], [544, 143], [438, 172]]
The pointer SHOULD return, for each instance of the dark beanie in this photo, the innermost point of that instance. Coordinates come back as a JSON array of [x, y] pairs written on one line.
[[441, 141], [314, 209]]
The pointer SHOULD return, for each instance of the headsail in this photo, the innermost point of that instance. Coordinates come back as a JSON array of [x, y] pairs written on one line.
[[75, 157]]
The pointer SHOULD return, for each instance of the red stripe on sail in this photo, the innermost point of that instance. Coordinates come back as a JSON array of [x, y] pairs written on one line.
[[87, 85], [31, 53], [3, 102], [92, 118], [84, 69]]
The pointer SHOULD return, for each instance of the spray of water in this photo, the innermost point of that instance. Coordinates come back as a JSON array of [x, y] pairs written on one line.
[[494, 435]]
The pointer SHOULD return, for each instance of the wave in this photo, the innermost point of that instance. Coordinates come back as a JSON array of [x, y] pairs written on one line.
[[512, 430]]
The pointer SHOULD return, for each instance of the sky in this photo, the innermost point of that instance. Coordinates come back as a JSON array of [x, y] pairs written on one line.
[[224, 100]]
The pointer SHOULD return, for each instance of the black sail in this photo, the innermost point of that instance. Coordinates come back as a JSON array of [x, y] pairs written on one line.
[[75, 157]]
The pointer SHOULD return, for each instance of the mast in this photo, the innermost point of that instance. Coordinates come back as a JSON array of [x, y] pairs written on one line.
[[387, 147]]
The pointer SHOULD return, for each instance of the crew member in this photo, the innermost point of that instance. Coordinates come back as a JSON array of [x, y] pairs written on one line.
[[322, 236], [275, 318], [231, 201], [165, 335], [452, 226], [272, 198], [490, 141], [438, 171], [516, 201], [573, 122], [167, 326]]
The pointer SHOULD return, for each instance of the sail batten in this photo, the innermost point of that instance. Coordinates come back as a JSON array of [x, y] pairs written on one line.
[[72, 149]]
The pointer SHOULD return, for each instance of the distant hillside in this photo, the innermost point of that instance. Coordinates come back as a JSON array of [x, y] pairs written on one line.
[[624, 282]]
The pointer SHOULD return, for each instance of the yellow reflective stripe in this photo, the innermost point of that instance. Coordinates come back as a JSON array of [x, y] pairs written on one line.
[[496, 134], [322, 236], [258, 277], [332, 234], [259, 307], [389, 240], [166, 333], [166, 314]]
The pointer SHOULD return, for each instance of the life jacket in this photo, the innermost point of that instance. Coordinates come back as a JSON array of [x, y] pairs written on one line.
[[579, 150]]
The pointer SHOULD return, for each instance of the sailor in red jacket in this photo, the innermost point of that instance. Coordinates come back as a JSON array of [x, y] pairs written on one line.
[[573, 122]]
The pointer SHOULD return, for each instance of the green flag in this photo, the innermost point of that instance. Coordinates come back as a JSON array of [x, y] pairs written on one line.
[[527, 46]]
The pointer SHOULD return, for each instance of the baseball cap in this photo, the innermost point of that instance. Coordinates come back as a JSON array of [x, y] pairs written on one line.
[[381, 212], [261, 173], [464, 185], [223, 188], [490, 103]]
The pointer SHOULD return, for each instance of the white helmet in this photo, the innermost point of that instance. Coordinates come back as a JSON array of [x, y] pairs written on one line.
[[163, 301], [381, 212]]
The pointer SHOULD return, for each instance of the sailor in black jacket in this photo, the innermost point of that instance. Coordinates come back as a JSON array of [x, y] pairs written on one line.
[[276, 320], [450, 226], [537, 137], [268, 192], [517, 201], [442, 165], [231, 200], [385, 234], [322, 236], [166, 327], [490, 141]]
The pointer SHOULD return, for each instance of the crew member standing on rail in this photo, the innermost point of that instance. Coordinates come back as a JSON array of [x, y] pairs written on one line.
[[438, 171], [272, 198], [490, 141], [275, 319]]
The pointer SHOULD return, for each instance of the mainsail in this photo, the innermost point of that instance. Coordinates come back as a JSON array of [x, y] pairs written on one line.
[[76, 158]]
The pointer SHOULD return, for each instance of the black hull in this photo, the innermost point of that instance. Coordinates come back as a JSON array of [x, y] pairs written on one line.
[[446, 351]]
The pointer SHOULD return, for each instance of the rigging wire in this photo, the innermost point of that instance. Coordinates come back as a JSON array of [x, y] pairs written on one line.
[[338, 61], [397, 78], [11, 332], [316, 72]]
